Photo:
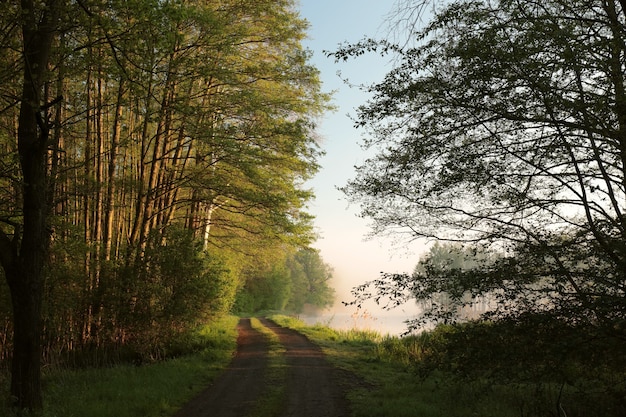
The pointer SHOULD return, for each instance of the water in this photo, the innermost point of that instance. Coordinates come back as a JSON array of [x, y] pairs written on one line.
[[386, 323]]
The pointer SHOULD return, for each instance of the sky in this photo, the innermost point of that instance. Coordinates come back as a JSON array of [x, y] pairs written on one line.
[[342, 241]]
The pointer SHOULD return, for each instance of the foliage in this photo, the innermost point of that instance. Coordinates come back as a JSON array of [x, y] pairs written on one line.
[[311, 281], [192, 284], [528, 348], [173, 139], [180, 286], [504, 126], [582, 363], [299, 279], [269, 291], [518, 371]]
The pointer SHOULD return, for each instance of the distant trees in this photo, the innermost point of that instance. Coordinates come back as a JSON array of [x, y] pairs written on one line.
[[311, 281], [294, 281], [504, 127], [446, 282], [155, 145]]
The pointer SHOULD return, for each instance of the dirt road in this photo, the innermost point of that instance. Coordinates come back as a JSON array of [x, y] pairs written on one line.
[[313, 387]]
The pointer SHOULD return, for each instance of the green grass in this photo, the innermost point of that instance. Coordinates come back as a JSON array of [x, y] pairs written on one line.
[[388, 386], [387, 382], [273, 398], [155, 390], [345, 348]]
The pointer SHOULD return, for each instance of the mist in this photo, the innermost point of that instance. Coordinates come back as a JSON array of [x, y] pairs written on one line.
[[370, 316]]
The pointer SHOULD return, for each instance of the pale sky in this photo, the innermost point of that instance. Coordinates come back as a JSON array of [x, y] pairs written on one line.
[[342, 242]]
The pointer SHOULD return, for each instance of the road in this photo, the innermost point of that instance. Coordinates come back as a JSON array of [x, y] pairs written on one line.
[[313, 388]]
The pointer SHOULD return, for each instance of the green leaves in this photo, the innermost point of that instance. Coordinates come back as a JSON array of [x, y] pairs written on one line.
[[292, 282], [503, 125], [179, 153]]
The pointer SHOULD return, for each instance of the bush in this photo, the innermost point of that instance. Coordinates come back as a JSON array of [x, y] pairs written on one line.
[[580, 365]]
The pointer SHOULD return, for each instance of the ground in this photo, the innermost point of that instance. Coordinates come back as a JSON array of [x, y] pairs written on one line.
[[313, 387]]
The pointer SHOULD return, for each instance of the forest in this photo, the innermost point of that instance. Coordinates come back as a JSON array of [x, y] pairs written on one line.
[[153, 156]]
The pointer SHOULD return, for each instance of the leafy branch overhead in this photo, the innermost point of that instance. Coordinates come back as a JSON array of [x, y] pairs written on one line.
[[503, 125]]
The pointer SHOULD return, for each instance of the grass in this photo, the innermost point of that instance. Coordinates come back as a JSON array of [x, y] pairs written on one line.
[[387, 382], [387, 387], [272, 400], [156, 390]]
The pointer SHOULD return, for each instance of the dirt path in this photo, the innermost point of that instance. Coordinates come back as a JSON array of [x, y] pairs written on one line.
[[313, 387]]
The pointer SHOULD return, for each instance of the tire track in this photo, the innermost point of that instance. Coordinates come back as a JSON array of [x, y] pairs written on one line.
[[313, 388], [235, 392]]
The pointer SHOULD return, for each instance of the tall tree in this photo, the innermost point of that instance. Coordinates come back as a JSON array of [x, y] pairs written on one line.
[[506, 125], [23, 251], [175, 113]]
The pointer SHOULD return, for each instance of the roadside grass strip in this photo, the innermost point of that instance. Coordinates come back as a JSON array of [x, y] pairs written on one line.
[[155, 390], [272, 401], [387, 381]]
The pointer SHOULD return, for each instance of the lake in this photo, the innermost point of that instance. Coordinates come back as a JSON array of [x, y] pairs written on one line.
[[384, 322]]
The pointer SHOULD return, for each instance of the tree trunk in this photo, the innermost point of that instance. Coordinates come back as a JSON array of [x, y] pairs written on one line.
[[23, 259], [25, 285], [109, 210]]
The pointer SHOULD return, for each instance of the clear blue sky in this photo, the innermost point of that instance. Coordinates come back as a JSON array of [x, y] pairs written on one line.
[[342, 242]]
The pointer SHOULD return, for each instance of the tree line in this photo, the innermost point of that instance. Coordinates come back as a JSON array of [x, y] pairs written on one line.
[[152, 162], [500, 134]]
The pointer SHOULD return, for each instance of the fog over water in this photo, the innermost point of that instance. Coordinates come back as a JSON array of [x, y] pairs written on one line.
[[385, 325], [370, 317]]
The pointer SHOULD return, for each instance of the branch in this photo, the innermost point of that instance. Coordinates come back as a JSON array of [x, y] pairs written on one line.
[[52, 103]]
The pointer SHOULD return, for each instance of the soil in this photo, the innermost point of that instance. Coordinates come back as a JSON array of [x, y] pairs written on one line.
[[314, 388]]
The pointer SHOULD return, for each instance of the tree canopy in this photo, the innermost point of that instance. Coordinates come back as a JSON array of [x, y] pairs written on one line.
[[503, 125], [150, 152]]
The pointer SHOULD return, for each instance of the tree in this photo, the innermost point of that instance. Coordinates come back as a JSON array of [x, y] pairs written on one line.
[[445, 282], [311, 280], [289, 281], [506, 126], [135, 119], [23, 251]]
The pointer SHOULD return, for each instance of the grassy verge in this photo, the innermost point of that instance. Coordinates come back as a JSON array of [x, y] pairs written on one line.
[[390, 384], [272, 400], [156, 390]]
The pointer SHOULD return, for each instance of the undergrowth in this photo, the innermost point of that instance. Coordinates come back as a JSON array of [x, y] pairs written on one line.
[[155, 390]]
